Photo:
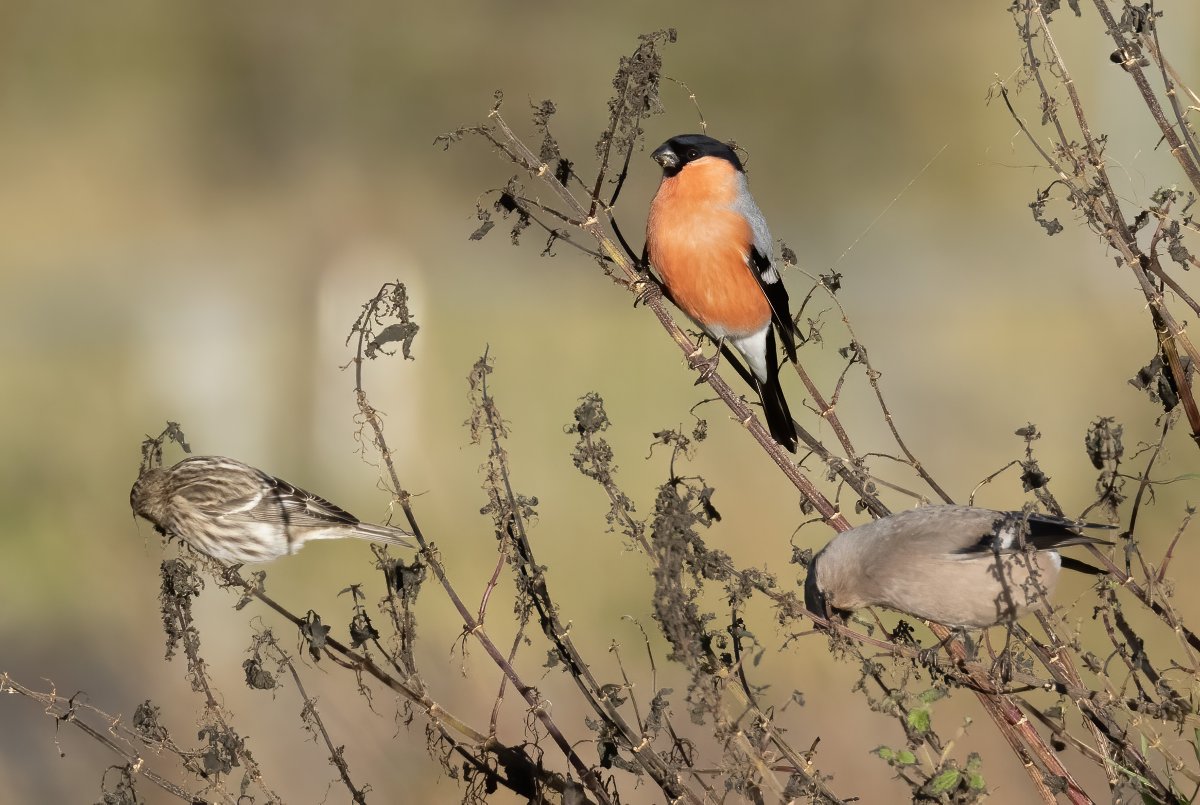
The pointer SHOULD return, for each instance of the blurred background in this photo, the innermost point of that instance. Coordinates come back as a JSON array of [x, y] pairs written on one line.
[[196, 200]]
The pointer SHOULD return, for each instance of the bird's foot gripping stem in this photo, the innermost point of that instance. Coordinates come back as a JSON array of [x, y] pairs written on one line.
[[928, 656], [646, 289], [705, 366]]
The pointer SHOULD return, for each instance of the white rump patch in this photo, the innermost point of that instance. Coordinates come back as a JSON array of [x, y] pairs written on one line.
[[754, 348]]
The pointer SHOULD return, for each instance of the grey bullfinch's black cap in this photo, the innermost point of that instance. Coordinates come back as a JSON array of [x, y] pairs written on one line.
[[956, 565], [684, 148]]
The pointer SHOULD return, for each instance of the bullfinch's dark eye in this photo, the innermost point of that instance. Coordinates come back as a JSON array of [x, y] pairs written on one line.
[[693, 154]]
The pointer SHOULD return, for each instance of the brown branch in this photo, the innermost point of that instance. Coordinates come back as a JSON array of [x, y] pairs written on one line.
[[336, 755], [473, 627], [1181, 154], [559, 633], [442, 719], [873, 376], [1104, 210], [65, 711]]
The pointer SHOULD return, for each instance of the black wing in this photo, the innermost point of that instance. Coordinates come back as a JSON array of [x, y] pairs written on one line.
[[1046, 533], [777, 297]]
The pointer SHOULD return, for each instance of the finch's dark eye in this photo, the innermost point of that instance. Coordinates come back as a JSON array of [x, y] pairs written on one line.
[[693, 154]]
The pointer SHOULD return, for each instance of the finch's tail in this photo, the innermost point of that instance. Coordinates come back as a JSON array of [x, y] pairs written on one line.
[[779, 418], [383, 533]]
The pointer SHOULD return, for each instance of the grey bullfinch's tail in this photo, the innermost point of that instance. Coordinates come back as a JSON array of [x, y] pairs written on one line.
[[1079, 566], [1047, 532], [779, 418]]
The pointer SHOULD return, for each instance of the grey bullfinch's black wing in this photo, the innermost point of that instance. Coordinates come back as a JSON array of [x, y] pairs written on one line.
[[1045, 533]]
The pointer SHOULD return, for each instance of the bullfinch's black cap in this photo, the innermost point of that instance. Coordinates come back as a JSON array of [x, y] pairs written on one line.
[[684, 148]]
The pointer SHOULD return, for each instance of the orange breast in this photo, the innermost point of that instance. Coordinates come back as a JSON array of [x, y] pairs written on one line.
[[699, 247]]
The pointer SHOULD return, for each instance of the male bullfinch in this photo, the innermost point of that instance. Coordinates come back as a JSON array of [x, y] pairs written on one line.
[[710, 245], [956, 565]]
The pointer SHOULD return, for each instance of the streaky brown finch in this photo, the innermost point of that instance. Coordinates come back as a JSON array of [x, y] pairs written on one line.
[[232, 511]]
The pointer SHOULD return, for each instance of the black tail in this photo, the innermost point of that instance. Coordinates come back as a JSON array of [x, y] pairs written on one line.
[[779, 418], [1070, 563], [775, 407]]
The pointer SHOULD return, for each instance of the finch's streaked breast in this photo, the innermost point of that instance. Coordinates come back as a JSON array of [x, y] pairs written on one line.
[[700, 245]]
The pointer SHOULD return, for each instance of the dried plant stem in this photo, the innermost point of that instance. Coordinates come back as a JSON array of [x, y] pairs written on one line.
[[1058, 660], [1104, 210], [825, 410], [472, 626], [559, 633], [183, 629], [336, 755], [445, 721], [356, 660], [873, 378], [1022, 738], [66, 711], [1181, 154]]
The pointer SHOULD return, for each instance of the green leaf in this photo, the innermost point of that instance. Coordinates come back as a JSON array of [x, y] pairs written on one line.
[[919, 720], [975, 779], [932, 695], [946, 781], [902, 757]]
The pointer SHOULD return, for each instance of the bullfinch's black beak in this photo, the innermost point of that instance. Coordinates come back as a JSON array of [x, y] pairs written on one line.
[[664, 156], [814, 596]]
